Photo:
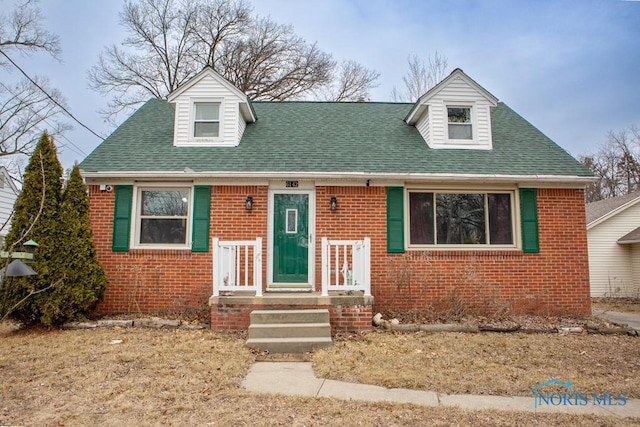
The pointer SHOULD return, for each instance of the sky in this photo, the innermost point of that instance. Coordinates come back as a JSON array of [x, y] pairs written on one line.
[[569, 67]]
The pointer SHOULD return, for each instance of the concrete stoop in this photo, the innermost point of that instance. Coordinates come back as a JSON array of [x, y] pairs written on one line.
[[289, 331]]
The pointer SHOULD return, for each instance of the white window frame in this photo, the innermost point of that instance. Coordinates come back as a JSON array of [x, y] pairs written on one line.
[[196, 121], [515, 219], [192, 120], [472, 123], [136, 224], [288, 223]]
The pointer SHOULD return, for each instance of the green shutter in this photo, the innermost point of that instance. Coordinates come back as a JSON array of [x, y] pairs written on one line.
[[201, 217], [529, 218], [122, 218], [395, 219]]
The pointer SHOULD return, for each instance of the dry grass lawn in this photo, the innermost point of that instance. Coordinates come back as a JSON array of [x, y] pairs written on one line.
[[485, 363], [630, 305], [157, 377]]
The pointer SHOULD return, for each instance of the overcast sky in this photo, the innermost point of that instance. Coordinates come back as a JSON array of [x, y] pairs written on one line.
[[571, 68]]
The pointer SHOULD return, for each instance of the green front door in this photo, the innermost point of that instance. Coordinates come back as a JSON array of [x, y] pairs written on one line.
[[291, 238]]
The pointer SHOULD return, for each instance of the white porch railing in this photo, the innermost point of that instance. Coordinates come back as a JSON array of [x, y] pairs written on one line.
[[237, 266], [346, 265]]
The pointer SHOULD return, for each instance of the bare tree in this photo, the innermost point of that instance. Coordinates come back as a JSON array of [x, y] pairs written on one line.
[[421, 77], [172, 40], [269, 62], [30, 105], [627, 143], [213, 24], [352, 83], [22, 31], [24, 111], [616, 165], [157, 60]]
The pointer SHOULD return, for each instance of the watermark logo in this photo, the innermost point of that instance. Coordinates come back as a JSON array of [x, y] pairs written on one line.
[[570, 397]]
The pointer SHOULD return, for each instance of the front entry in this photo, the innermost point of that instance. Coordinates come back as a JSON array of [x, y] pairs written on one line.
[[292, 241]]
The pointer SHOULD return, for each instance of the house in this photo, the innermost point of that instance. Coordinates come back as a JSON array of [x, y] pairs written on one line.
[[613, 235], [8, 195], [209, 199]]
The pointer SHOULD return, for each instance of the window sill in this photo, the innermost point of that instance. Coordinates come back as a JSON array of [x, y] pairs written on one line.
[[461, 144], [471, 253], [206, 142], [464, 248], [161, 248]]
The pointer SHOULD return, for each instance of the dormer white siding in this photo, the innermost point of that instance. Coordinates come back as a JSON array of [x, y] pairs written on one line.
[[210, 88], [432, 114]]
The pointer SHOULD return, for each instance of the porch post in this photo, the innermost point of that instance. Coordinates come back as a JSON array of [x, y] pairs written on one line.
[[215, 260], [367, 266], [325, 267], [257, 266]]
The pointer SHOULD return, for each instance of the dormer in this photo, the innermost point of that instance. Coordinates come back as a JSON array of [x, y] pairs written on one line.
[[209, 112], [456, 113]]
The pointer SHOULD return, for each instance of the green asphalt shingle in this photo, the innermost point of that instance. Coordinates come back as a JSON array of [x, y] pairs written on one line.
[[329, 137]]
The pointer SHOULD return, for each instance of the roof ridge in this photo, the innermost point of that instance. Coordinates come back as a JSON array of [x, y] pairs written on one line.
[[300, 101]]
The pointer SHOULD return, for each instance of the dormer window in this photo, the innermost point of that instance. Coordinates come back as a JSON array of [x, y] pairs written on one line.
[[459, 122], [209, 112], [206, 123]]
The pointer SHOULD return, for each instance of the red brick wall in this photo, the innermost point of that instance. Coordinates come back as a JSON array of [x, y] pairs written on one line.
[[146, 280], [553, 281], [172, 280]]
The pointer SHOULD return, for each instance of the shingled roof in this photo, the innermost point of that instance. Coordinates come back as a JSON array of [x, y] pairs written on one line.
[[326, 138], [597, 210], [630, 238]]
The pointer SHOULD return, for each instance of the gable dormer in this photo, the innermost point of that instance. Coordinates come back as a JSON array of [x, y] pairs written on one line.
[[209, 112], [456, 113]]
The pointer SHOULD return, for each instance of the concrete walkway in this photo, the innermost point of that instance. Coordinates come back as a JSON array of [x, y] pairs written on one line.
[[298, 379], [630, 319]]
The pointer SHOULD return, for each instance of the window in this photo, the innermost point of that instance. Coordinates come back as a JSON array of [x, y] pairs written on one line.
[[163, 216], [459, 122], [292, 221], [206, 123], [460, 218]]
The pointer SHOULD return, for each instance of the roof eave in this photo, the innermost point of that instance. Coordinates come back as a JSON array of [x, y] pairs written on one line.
[[628, 242], [564, 180]]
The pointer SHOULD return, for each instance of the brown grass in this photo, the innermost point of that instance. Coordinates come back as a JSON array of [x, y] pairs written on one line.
[[486, 363], [629, 305], [156, 377]]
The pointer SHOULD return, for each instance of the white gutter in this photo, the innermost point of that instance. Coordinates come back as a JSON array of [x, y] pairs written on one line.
[[628, 242], [434, 177]]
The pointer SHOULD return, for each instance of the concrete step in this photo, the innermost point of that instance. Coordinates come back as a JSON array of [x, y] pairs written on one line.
[[289, 345], [289, 316], [289, 330]]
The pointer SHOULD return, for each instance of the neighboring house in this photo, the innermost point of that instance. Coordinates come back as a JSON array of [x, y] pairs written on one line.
[[613, 233], [209, 198], [8, 195]]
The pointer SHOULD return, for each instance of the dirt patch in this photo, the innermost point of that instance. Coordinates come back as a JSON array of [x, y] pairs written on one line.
[[143, 377]]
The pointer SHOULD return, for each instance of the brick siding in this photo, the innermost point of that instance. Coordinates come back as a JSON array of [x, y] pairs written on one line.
[[554, 281]]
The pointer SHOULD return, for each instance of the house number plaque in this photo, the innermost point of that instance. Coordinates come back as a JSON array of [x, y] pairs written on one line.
[[291, 184]]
